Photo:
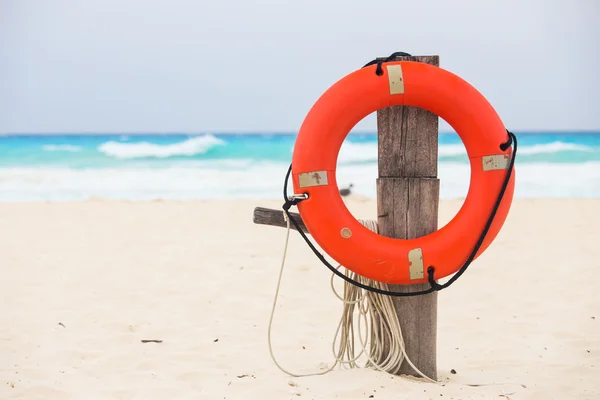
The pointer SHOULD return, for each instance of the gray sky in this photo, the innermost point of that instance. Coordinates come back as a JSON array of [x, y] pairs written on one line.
[[259, 65]]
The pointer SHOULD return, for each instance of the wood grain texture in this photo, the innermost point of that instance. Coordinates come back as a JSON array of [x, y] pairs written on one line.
[[407, 207], [268, 216], [408, 138]]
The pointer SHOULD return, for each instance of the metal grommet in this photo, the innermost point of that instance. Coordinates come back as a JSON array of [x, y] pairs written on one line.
[[346, 233]]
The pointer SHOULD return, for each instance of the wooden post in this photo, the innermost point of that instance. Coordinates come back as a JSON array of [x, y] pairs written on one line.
[[407, 207]]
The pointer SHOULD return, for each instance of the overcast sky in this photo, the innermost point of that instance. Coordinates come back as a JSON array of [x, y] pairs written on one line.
[[259, 65]]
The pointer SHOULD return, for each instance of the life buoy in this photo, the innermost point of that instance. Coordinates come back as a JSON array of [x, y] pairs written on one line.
[[334, 228]]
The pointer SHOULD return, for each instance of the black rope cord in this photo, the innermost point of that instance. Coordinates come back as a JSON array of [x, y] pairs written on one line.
[[289, 202], [392, 57]]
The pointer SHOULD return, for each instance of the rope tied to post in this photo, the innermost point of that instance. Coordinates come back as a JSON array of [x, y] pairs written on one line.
[[372, 311]]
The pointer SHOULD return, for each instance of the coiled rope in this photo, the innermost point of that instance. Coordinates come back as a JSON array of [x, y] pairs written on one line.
[[376, 313]]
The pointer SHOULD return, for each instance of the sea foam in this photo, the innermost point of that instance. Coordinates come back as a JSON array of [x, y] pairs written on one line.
[[206, 180], [189, 147], [62, 147], [367, 152]]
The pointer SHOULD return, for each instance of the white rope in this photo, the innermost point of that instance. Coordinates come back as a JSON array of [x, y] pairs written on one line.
[[287, 237], [374, 310]]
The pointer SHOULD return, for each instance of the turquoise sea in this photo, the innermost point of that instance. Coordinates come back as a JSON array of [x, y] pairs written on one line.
[[215, 166]]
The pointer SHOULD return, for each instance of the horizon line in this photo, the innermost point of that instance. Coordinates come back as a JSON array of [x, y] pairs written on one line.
[[216, 132]]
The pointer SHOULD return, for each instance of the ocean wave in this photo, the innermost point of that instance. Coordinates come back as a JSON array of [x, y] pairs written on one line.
[[357, 152], [553, 147], [351, 152], [265, 180], [189, 147], [367, 152], [62, 147], [452, 150]]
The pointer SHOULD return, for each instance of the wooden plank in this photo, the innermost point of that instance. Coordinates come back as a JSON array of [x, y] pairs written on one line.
[[268, 216], [407, 207]]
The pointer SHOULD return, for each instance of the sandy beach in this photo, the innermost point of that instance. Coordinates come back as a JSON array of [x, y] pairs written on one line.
[[84, 283]]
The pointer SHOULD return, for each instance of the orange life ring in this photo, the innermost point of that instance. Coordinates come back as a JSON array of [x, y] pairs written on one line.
[[332, 225]]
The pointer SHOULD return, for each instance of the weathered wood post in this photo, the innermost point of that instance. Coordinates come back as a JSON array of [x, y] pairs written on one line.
[[407, 207]]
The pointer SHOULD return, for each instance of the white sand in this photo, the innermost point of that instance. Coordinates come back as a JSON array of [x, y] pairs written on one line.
[[83, 283]]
